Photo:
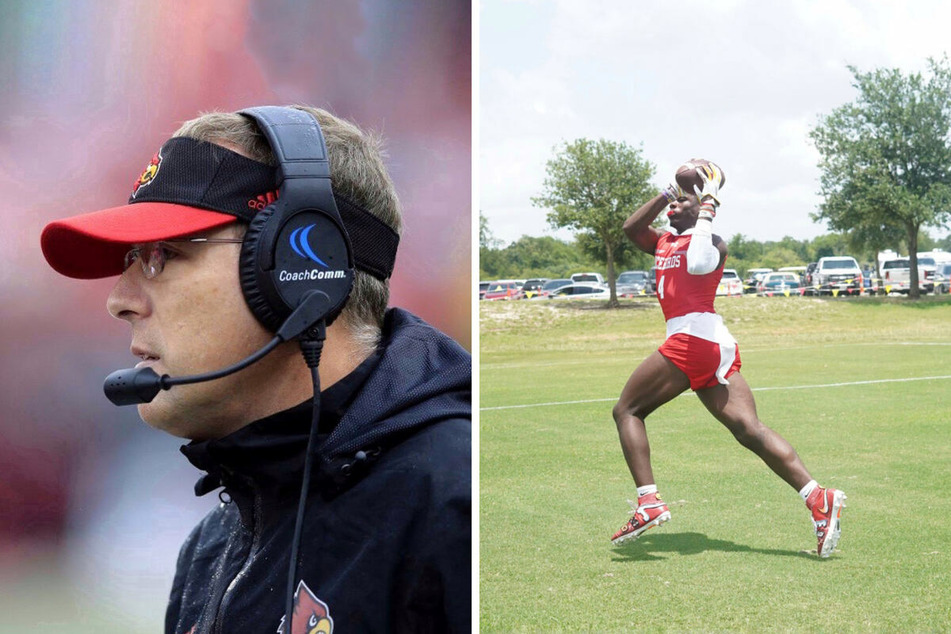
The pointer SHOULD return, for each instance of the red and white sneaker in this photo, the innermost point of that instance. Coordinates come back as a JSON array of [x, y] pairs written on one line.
[[826, 506], [650, 511]]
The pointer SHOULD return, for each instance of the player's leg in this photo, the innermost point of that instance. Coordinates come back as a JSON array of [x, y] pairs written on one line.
[[655, 381], [733, 405]]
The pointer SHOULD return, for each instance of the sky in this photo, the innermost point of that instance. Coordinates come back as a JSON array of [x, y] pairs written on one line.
[[739, 82]]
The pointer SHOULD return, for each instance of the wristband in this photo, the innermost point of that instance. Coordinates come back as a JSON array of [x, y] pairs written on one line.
[[708, 211], [670, 193]]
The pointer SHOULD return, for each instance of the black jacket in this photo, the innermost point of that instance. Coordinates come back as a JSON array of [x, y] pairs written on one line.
[[386, 540]]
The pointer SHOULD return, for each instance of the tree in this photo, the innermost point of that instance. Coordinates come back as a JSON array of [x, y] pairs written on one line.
[[487, 239], [742, 248], [591, 187], [489, 258], [886, 159], [828, 245], [627, 256], [530, 256], [778, 257]]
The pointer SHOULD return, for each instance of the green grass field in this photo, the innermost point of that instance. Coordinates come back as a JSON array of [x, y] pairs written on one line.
[[845, 381]]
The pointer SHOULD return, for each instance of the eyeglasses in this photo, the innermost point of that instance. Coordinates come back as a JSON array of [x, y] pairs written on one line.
[[153, 255]]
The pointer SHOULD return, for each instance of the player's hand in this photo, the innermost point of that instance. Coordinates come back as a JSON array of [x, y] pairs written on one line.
[[672, 192], [710, 193]]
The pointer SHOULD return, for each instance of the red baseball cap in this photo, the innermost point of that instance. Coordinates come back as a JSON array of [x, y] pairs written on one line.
[[189, 186]]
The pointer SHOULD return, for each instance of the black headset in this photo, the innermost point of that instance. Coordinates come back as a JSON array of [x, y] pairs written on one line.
[[297, 245]]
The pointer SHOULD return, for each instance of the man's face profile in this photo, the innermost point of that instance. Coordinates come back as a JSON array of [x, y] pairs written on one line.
[[192, 318]]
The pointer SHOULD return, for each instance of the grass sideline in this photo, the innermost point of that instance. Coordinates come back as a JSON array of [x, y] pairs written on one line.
[[738, 554]]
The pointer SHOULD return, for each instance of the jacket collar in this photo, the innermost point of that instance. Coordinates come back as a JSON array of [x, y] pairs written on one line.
[[423, 377], [418, 377], [269, 453]]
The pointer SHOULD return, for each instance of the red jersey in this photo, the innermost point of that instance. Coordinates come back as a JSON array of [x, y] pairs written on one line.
[[679, 292]]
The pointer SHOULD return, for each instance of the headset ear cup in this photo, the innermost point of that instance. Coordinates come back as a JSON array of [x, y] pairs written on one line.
[[260, 306]]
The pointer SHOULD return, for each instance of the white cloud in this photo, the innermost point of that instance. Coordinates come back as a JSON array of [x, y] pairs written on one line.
[[741, 82]]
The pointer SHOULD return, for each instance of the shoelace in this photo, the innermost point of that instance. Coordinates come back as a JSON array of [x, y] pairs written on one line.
[[639, 511]]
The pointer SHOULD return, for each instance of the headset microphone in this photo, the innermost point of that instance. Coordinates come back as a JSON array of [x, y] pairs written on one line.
[[134, 386]]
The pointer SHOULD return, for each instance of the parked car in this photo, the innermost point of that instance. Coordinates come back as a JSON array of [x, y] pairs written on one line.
[[581, 291], [800, 272], [938, 255], [808, 278], [942, 279], [532, 287], [483, 287], [927, 267], [652, 281], [753, 278], [838, 274], [896, 277], [935, 256], [631, 283], [502, 290], [730, 283], [549, 287], [779, 284], [590, 278]]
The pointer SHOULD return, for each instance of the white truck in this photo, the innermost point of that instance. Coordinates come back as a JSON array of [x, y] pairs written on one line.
[[838, 274], [588, 278], [896, 276]]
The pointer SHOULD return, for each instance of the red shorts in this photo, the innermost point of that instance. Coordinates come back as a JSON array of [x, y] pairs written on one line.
[[706, 363]]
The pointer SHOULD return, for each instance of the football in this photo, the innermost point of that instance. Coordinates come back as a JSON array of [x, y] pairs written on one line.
[[687, 176]]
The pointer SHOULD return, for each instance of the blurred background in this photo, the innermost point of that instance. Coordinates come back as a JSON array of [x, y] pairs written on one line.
[[93, 503]]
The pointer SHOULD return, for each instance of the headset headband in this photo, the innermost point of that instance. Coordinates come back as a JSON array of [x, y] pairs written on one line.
[[299, 147], [297, 245]]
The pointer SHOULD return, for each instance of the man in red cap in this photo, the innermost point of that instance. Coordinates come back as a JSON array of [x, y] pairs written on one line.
[[386, 534]]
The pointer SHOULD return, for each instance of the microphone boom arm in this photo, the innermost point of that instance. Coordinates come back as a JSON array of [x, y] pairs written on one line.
[[134, 386]]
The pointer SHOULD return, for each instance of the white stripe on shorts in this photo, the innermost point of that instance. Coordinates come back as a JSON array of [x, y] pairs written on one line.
[[727, 357]]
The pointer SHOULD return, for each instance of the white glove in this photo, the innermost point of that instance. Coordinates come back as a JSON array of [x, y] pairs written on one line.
[[711, 176]]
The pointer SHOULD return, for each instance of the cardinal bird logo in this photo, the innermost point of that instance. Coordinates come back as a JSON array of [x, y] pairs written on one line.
[[148, 174], [311, 615]]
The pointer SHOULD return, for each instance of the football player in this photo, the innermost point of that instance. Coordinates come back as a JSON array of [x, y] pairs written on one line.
[[699, 353]]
